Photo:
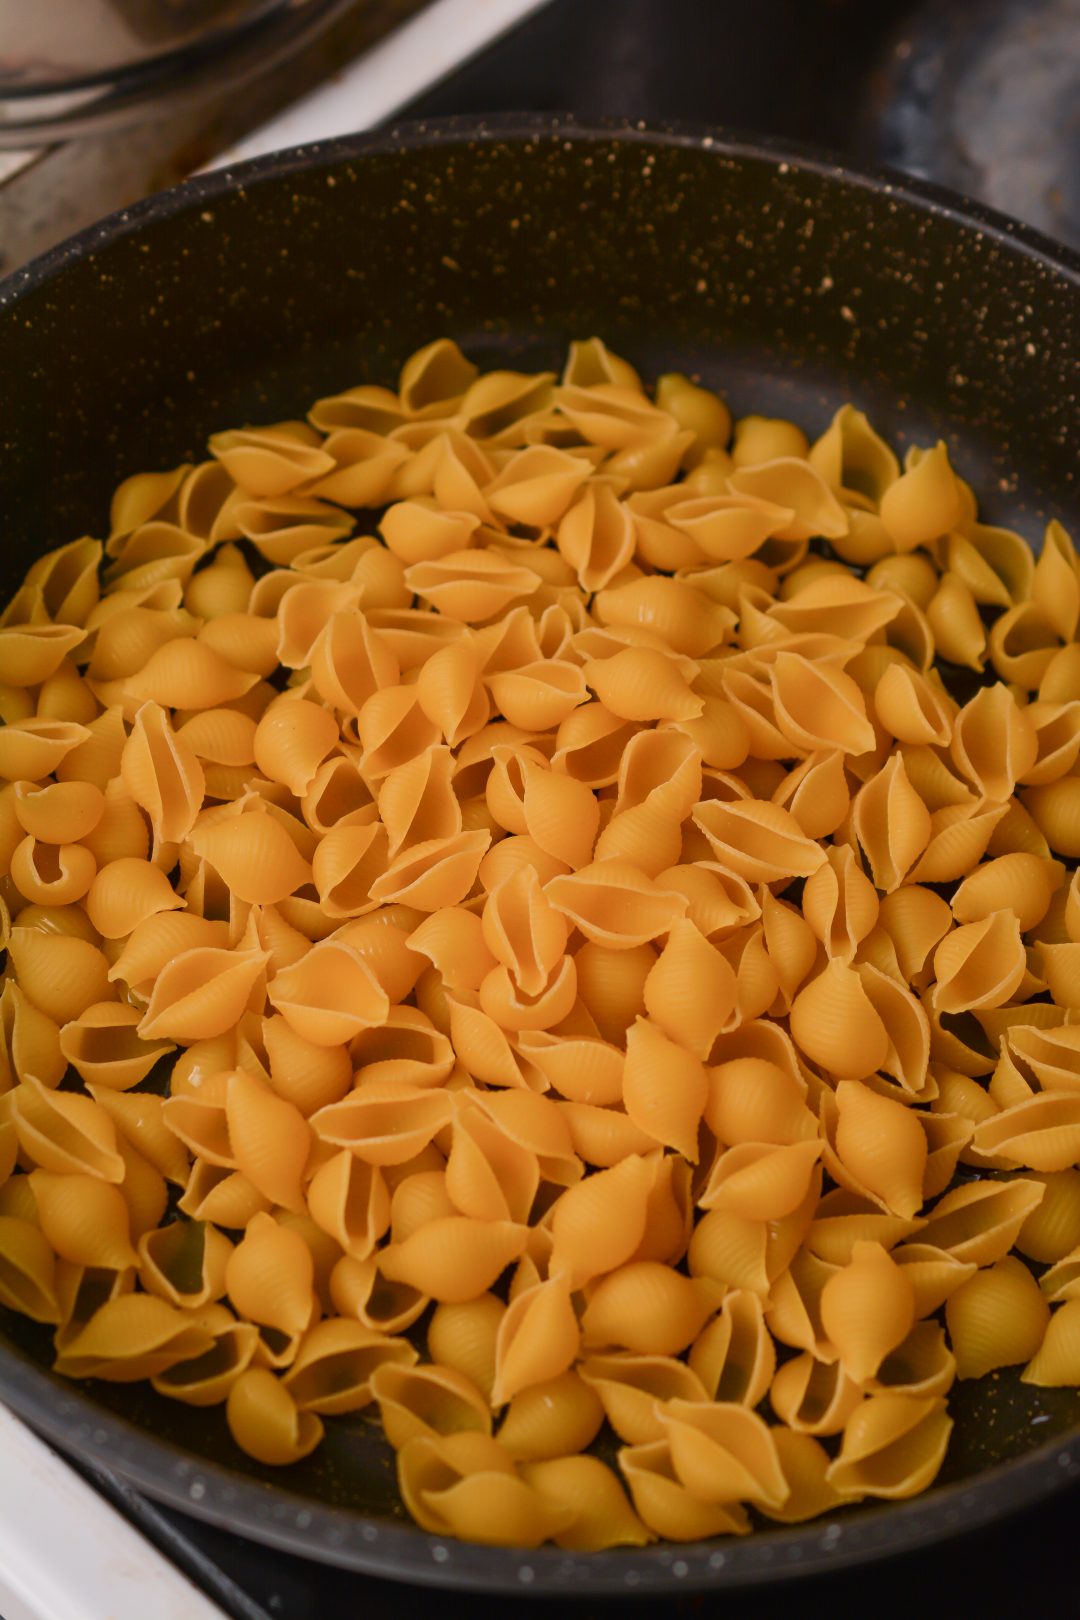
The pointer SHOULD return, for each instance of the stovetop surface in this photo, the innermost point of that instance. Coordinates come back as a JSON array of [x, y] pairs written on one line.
[[877, 81]]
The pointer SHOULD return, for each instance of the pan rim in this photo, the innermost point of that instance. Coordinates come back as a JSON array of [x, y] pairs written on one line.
[[405, 135], [273, 1514]]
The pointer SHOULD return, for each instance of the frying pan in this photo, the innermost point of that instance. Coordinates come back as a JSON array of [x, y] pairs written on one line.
[[787, 280]]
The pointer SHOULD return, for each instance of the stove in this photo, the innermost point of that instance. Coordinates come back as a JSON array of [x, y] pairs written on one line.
[[982, 95]]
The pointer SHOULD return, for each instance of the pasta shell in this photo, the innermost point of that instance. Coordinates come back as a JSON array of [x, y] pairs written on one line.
[[329, 995], [893, 1446], [599, 1223], [1057, 1360], [834, 1022], [867, 1310], [996, 1318], [131, 1337], [979, 964], [291, 741], [84, 1219], [60, 812], [453, 1258], [664, 1088], [537, 1340], [883, 1145], [269, 1276], [125, 893], [206, 1380], [758, 841], [335, 1364], [265, 1422], [840, 904], [163, 775], [31, 1047], [994, 742], [648, 1308], [201, 993], [463, 1338], [1041, 1133], [602, 1514], [634, 1389], [1052, 1230], [255, 857], [384, 1122], [979, 1222], [103, 1045], [691, 991], [813, 1397], [734, 1356], [723, 1453], [66, 1133], [666, 1505], [614, 905]]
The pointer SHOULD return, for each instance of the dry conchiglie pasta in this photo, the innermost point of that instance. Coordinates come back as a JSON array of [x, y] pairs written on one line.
[[613, 917]]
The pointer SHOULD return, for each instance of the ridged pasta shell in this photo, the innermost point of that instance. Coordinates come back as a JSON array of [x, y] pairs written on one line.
[[335, 1364], [691, 991], [125, 893], [834, 1022], [537, 1340], [979, 1222], [599, 1224], [634, 1388], [424, 1400], [996, 1318], [30, 1042], [757, 840], [269, 1276], [384, 1122], [882, 1144], [329, 995], [840, 904], [59, 812], [1052, 1230], [647, 1307], [103, 1045], [893, 1446], [27, 1270], [614, 905], [867, 1309], [722, 1452], [163, 775], [994, 742], [66, 1133], [201, 993], [664, 1088], [453, 1258], [666, 1505], [131, 1337], [602, 1516], [734, 1356], [264, 1420], [463, 1337], [59, 973], [84, 1219], [207, 1379], [813, 1397], [1057, 1360]]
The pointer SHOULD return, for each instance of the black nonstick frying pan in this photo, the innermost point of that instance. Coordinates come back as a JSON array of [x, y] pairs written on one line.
[[786, 280]]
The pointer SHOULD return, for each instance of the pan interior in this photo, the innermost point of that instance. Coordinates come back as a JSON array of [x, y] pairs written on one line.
[[790, 286]]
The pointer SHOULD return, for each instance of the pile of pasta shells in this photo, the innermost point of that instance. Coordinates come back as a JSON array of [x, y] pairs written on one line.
[[538, 910]]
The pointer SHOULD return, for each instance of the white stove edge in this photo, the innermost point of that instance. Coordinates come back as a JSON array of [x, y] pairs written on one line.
[[67, 1554], [366, 92]]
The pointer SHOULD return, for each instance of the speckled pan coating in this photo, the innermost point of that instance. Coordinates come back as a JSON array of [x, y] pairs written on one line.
[[786, 279]]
